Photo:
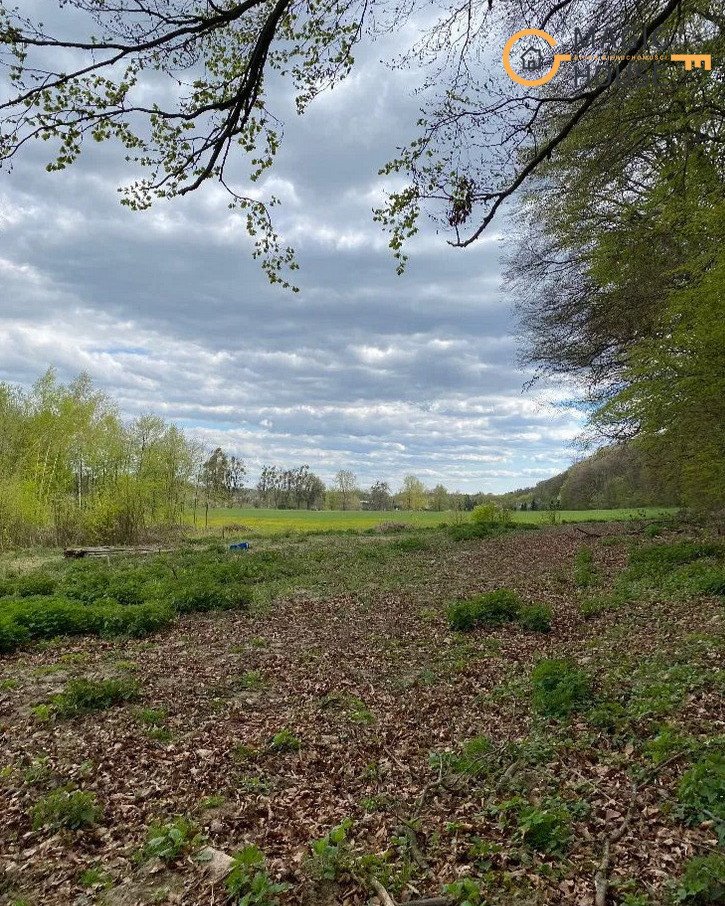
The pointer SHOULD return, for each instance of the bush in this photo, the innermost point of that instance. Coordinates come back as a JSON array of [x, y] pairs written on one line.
[[133, 620], [64, 808], [83, 695], [559, 687], [205, 593], [462, 615], [474, 759], [657, 559], [714, 584], [12, 634], [411, 544], [701, 793], [610, 715], [465, 892], [491, 609], [703, 881], [170, 841], [469, 530], [545, 830], [248, 883], [47, 617], [490, 514], [536, 618], [34, 584]]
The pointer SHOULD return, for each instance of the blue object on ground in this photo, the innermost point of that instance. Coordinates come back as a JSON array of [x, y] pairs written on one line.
[[239, 546]]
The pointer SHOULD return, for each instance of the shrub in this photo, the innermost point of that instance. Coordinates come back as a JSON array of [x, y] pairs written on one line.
[[284, 741], [491, 609], [536, 618], [251, 680], [47, 617], [95, 877], [389, 527], [469, 530], [462, 615], [12, 634], [703, 881], [546, 830], [559, 687], [34, 584], [657, 559], [170, 841], [411, 544], [610, 715], [331, 855], [714, 584], [490, 514], [151, 717], [702, 793], [64, 808], [248, 883], [207, 593], [83, 695], [133, 619]]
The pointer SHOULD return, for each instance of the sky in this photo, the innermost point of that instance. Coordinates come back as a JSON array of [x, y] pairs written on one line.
[[362, 369]]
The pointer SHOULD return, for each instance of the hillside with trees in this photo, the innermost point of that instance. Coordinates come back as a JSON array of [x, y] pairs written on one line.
[[615, 476]]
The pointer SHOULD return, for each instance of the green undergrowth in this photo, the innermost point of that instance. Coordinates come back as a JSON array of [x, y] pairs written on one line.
[[496, 608], [81, 696], [133, 596], [675, 570]]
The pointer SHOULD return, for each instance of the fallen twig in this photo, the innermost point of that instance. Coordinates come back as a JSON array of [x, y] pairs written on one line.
[[382, 893]]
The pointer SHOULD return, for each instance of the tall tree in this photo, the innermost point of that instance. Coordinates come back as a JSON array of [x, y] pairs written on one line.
[[412, 494], [380, 496], [346, 486], [623, 292]]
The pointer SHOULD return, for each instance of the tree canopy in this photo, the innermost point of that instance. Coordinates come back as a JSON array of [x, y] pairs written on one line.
[[182, 85]]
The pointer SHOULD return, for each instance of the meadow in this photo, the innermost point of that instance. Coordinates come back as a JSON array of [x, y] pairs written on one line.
[[275, 522], [511, 716]]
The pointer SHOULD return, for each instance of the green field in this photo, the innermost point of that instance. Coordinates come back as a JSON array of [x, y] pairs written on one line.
[[276, 522]]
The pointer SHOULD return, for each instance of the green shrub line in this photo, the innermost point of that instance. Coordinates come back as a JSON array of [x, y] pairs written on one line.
[[130, 598], [496, 608], [681, 569]]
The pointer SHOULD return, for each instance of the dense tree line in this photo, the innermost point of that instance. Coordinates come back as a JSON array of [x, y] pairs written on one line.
[[71, 468], [617, 476], [619, 268]]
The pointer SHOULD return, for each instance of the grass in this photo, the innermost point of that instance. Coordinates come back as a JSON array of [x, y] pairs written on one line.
[[280, 522]]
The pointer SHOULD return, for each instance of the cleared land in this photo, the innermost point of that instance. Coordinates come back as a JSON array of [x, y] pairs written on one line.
[[274, 522], [335, 720]]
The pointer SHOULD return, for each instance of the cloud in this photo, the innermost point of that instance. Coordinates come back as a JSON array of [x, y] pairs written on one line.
[[363, 369]]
